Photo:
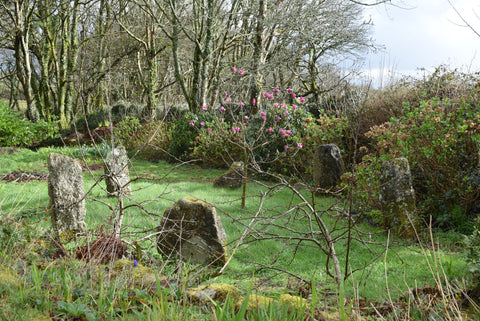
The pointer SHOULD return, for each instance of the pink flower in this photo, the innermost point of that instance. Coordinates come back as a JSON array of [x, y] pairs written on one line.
[[289, 132], [222, 108], [262, 113], [264, 118], [270, 130], [275, 105], [270, 96], [228, 100], [241, 104], [294, 95], [286, 112], [226, 94], [237, 129], [289, 90], [202, 123], [299, 145], [245, 117], [278, 117], [234, 69], [276, 90], [233, 129], [240, 72], [265, 95], [254, 101], [285, 147], [294, 107], [208, 129], [192, 123], [302, 99], [204, 107]]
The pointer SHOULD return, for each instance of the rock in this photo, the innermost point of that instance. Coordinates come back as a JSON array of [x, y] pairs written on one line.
[[192, 229], [293, 301], [397, 198], [233, 178], [8, 278], [215, 291], [116, 172], [328, 166], [66, 192], [254, 302]]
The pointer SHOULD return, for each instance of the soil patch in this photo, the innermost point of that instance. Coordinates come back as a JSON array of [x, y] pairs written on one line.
[[4, 150], [23, 177]]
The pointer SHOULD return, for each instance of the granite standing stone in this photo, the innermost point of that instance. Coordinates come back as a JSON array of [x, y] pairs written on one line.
[[192, 229], [397, 198], [66, 192], [116, 172], [328, 166]]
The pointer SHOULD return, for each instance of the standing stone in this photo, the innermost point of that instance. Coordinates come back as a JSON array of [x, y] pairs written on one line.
[[66, 192], [397, 198], [233, 178], [327, 166], [192, 229], [116, 172]]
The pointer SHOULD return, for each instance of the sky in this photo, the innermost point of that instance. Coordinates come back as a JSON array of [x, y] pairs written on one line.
[[420, 35]]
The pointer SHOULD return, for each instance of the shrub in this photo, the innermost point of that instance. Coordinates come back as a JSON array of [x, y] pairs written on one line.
[[147, 140], [15, 131], [440, 139]]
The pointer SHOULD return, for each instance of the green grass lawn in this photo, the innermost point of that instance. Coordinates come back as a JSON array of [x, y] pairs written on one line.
[[270, 266]]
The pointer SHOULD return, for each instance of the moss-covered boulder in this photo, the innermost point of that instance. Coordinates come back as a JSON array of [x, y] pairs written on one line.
[[192, 229], [233, 178], [255, 302], [8, 278], [215, 291], [140, 274]]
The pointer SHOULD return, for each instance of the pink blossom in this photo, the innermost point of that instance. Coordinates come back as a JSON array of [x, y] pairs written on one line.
[[192, 123], [234, 69], [262, 113], [276, 90], [294, 107], [245, 117], [265, 95], [285, 147], [228, 100], [278, 117], [233, 129], [302, 99], [286, 112], [270, 96], [237, 129], [270, 130], [275, 105], [264, 118], [204, 107], [289, 90], [208, 129], [254, 101], [299, 145], [289, 132], [241, 104], [226, 94], [240, 72], [202, 123], [294, 95], [222, 108]]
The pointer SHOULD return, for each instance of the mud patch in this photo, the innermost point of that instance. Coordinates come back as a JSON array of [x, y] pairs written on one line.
[[23, 177]]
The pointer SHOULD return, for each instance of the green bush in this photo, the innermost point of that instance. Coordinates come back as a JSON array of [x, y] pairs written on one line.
[[147, 140], [440, 139], [16, 131]]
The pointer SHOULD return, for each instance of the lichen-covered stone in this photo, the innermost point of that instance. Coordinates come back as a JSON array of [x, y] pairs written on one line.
[[233, 178], [293, 301], [140, 274], [215, 291], [255, 302], [397, 198], [328, 166], [117, 176], [8, 278], [66, 192], [192, 229]]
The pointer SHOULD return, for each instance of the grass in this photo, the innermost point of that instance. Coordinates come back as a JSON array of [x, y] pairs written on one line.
[[68, 288]]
